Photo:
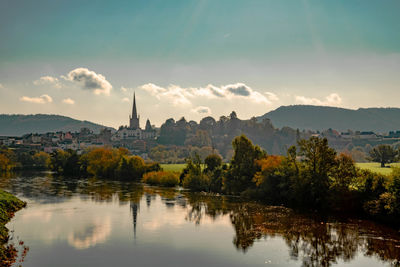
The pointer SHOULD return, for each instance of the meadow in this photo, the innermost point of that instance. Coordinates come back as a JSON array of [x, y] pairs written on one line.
[[376, 167], [173, 167], [372, 166]]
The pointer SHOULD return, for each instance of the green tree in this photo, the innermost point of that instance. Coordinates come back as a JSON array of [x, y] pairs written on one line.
[[383, 154], [214, 170], [194, 178], [213, 162], [243, 166], [319, 160]]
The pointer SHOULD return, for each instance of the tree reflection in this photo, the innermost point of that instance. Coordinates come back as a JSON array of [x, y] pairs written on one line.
[[314, 242]]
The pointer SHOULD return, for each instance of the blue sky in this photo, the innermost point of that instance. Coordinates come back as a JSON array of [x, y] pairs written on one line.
[[195, 58]]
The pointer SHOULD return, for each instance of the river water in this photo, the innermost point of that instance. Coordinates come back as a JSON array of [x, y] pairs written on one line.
[[92, 222]]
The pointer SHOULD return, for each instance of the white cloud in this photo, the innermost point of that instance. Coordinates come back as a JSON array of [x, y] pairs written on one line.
[[68, 101], [90, 80], [175, 94], [271, 96], [48, 80], [331, 100], [43, 99], [124, 89], [179, 95], [1, 86], [202, 110], [125, 99]]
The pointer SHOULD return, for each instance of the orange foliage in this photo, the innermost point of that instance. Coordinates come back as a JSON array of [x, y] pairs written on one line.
[[269, 163]]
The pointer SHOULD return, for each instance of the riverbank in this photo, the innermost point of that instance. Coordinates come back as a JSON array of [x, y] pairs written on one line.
[[9, 204]]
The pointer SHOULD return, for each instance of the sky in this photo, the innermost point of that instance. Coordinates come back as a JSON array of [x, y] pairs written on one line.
[[84, 59]]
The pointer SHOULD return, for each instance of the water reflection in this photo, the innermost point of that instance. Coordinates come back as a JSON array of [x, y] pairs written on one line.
[[90, 234], [312, 241]]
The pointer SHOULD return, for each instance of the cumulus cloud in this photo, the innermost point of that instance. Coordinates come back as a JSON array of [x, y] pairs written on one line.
[[68, 101], [90, 80], [48, 80], [202, 110], [180, 95], [125, 99], [124, 89], [1, 86], [43, 99], [175, 94], [238, 89], [331, 100]]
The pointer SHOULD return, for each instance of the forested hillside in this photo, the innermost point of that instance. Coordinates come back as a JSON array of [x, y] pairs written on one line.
[[341, 119], [219, 134]]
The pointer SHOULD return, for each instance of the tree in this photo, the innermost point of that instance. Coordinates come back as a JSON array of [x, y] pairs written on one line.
[[213, 162], [41, 159], [214, 170], [6, 160], [243, 165], [344, 172], [194, 178], [319, 160], [383, 154]]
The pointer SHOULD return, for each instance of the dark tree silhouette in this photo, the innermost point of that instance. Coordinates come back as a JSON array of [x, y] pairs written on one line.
[[383, 154]]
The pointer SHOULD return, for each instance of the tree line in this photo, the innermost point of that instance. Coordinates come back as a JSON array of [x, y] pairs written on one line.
[[311, 176]]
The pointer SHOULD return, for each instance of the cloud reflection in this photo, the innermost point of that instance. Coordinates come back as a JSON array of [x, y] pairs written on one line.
[[91, 234]]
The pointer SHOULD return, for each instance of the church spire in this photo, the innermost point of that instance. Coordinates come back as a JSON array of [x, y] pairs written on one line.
[[134, 119], [134, 114]]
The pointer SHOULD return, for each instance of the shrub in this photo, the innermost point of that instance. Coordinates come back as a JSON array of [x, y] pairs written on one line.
[[168, 179], [196, 182]]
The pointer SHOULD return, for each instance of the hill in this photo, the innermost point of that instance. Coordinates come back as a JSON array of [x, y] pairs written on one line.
[[322, 118], [17, 125]]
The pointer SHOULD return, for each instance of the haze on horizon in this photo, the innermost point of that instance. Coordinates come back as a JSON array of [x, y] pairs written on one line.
[[195, 58]]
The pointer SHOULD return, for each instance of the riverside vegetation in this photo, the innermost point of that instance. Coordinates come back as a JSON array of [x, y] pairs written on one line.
[[9, 204], [312, 176]]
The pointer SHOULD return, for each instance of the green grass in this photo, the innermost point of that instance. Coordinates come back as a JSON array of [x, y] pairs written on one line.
[[8, 205], [376, 167], [173, 167]]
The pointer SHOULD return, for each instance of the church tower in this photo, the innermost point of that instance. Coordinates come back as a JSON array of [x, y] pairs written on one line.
[[134, 119]]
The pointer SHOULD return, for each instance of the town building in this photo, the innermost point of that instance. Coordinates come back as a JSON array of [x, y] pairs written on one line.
[[133, 131]]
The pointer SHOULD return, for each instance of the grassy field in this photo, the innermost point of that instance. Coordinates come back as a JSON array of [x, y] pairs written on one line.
[[376, 167], [173, 167], [372, 166]]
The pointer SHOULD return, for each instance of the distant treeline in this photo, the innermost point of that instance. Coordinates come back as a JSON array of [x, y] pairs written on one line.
[[181, 139], [218, 134]]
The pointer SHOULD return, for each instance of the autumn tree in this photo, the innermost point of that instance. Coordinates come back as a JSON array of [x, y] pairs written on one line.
[[41, 159], [6, 160]]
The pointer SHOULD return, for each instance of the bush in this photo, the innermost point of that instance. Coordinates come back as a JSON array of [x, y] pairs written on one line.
[[168, 179], [196, 182]]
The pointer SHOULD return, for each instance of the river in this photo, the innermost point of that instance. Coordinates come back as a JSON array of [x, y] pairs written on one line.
[[92, 222]]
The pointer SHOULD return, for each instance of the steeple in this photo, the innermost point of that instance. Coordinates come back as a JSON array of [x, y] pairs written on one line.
[[134, 119], [134, 114]]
